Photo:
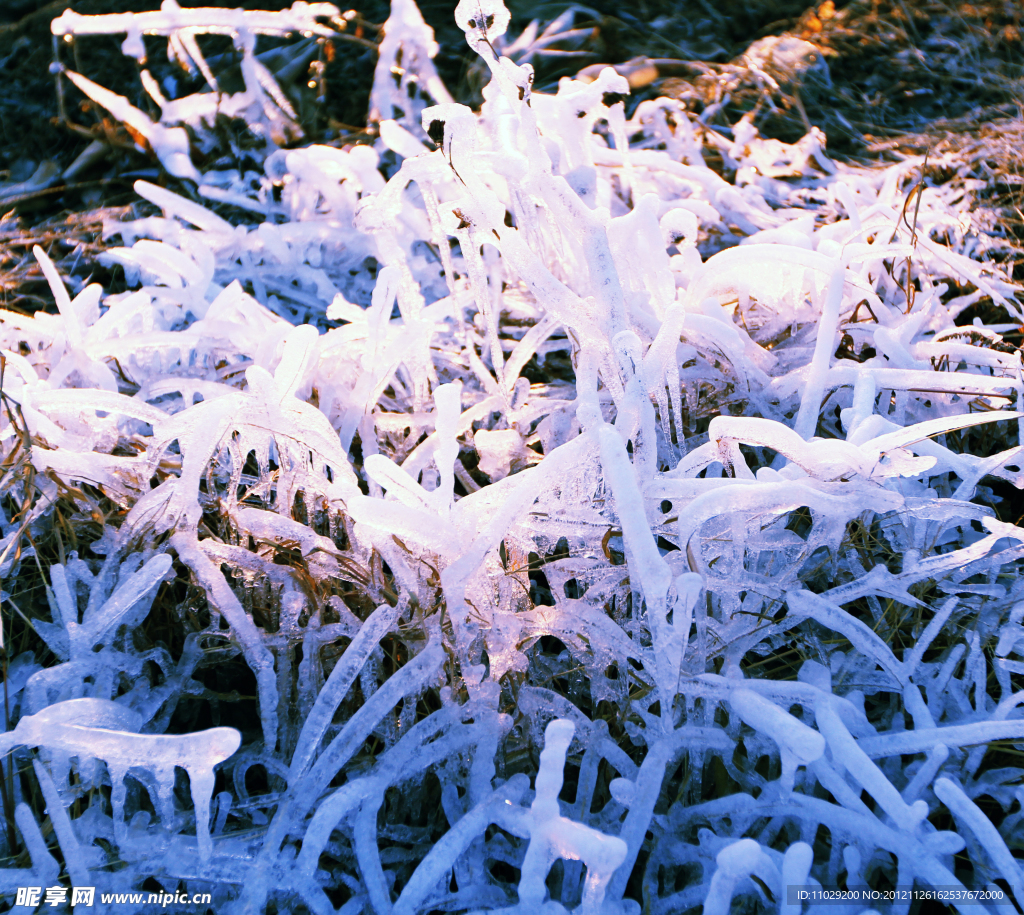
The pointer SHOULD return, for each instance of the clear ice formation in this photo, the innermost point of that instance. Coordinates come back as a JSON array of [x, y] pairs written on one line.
[[58, 728], [261, 103], [577, 526]]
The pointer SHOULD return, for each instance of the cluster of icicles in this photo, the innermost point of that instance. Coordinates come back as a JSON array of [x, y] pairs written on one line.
[[775, 649]]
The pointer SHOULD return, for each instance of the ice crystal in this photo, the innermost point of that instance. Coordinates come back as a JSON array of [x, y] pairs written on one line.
[[548, 456]]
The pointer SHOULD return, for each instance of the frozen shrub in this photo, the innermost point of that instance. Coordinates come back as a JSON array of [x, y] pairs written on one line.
[[553, 458]]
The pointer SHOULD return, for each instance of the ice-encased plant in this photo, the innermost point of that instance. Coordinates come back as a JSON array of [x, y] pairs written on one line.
[[550, 456]]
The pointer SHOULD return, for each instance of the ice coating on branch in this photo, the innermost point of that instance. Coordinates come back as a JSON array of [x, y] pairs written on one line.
[[531, 444], [44, 867], [736, 862], [405, 70], [169, 144], [482, 20], [553, 836], [798, 744], [158, 754], [968, 814], [261, 102]]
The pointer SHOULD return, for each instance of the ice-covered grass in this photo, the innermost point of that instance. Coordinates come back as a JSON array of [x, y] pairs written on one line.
[[582, 528]]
